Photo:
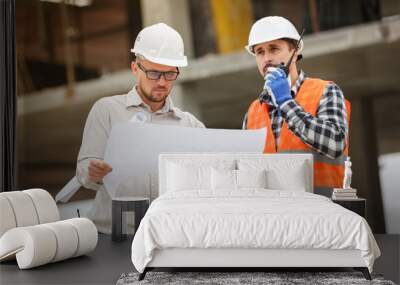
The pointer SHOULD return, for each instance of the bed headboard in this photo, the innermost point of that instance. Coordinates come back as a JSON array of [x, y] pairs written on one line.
[[305, 161]]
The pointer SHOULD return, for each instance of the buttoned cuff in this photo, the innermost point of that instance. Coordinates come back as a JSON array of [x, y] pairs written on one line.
[[288, 106]]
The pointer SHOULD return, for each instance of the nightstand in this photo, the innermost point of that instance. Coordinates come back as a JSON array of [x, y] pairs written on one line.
[[139, 205], [358, 205]]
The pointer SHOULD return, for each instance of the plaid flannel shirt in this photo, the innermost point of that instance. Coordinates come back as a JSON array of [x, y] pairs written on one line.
[[326, 133]]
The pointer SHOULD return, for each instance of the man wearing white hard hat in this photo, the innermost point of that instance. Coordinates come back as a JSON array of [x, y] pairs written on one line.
[[301, 114], [159, 52]]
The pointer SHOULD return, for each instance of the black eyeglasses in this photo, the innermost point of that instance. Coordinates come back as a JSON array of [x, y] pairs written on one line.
[[156, 75]]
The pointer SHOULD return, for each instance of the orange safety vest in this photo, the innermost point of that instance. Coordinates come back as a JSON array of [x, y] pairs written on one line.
[[328, 173]]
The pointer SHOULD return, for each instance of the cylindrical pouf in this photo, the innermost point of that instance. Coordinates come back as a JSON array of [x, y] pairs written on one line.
[[87, 234], [7, 218], [23, 208], [40, 244], [34, 246], [45, 205], [67, 239]]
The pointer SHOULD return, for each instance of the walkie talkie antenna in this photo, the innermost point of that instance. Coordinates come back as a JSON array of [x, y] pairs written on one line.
[[287, 66]]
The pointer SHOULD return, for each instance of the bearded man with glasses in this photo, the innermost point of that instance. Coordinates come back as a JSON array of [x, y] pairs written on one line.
[[158, 52]]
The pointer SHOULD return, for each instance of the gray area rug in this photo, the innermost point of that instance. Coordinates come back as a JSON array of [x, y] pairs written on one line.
[[226, 278]]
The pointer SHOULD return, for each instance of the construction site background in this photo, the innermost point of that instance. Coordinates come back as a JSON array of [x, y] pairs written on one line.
[[71, 53]]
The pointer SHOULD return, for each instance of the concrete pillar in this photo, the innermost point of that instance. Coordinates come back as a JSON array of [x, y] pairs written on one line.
[[174, 13], [232, 21], [364, 154]]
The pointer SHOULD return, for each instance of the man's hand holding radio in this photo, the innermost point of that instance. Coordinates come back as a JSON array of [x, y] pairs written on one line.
[[277, 85]]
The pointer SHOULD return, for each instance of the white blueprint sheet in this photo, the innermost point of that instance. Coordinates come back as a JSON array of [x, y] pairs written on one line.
[[133, 148]]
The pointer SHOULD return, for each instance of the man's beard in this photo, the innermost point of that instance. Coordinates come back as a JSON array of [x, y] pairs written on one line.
[[152, 98], [265, 69]]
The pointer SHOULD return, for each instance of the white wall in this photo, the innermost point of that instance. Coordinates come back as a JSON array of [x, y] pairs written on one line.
[[390, 185]]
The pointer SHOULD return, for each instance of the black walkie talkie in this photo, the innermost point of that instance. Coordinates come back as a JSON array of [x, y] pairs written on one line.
[[286, 67]]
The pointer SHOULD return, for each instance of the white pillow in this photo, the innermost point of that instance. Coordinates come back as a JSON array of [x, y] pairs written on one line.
[[251, 178], [237, 179], [280, 175], [292, 180], [189, 174], [182, 177], [223, 179]]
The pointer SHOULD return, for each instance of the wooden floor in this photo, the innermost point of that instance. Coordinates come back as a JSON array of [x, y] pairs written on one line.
[[110, 260]]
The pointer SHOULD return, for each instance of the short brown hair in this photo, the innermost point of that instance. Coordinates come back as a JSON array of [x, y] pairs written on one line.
[[136, 57], [292, 45], [291, 42]]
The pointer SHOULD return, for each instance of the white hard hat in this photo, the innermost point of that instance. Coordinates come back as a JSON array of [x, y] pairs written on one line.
[[161, 44], [272, 28]]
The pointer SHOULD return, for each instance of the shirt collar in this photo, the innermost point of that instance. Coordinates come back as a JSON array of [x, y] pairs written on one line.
[[295, 88], [134, 100]]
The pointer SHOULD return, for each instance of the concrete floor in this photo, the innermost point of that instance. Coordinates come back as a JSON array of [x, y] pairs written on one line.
[[106, 264], [102, 266]]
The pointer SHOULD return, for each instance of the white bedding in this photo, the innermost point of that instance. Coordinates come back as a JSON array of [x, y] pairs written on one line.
[[251, 218]]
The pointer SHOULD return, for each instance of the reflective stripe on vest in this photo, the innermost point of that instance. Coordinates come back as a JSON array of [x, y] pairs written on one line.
[[328, 173]]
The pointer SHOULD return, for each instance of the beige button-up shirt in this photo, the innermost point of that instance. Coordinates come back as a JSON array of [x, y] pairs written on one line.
[[104, 114]]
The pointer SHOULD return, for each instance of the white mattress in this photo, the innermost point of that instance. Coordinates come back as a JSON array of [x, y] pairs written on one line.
[[252, 218]]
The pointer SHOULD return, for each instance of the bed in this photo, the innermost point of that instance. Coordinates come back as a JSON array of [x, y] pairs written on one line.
[[247, 210]]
